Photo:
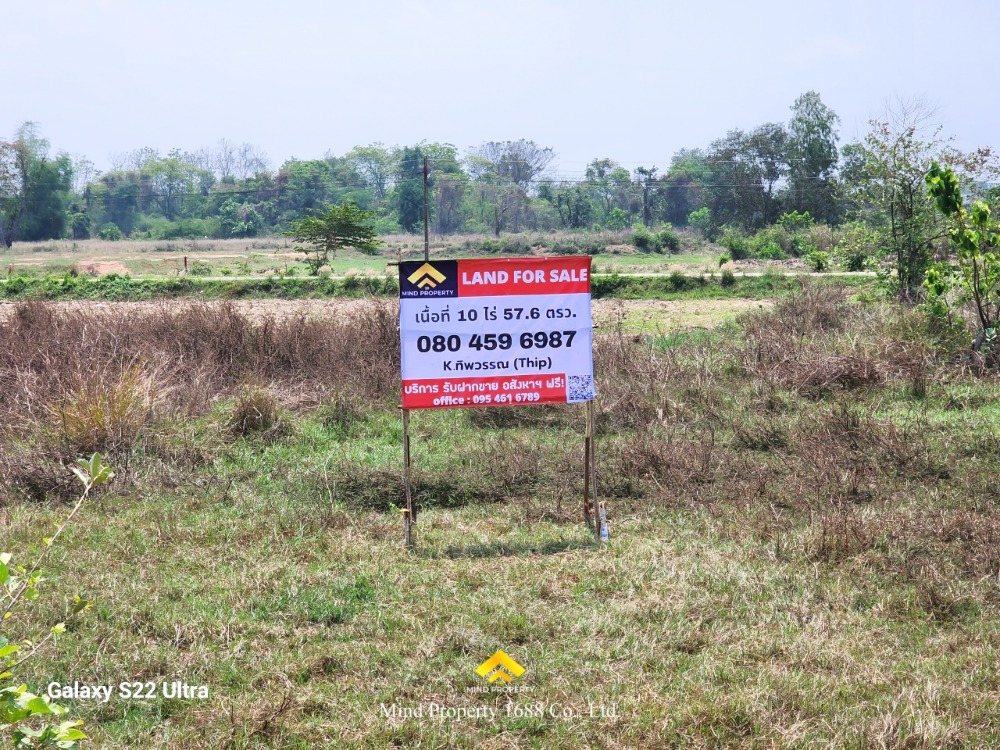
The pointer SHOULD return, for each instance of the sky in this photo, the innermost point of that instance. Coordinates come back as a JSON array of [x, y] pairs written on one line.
[[631, 80]]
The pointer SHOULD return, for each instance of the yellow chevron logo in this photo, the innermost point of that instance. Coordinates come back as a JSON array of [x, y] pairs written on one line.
[[500, 666], [426, 276]]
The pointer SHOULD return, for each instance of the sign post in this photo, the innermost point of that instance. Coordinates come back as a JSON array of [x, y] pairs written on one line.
[[481, 333]]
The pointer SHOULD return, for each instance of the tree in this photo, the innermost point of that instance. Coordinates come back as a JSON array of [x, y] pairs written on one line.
[[887, 189], [377, 166], [408, 196], [13, 189], [746, 171], [514, 162], [34, 190], [975, 276], [684, 185], [611, 187], [812, 157], [338, 227], [572, 202], [239, 220], [646, 178]]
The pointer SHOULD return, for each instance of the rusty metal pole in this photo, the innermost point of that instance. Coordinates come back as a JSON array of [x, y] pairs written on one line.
[[595, 509], [586, 471], [409, 511]]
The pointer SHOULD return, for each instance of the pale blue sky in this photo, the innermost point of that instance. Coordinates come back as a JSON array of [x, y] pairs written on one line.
[[635, 81]]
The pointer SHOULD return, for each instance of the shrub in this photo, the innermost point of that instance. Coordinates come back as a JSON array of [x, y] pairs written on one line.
[[617, 219], [669, 240], [701, 220], [773, 242], [102, 413], [201, 268], [795, 221], [725, 258], [735, 241], [110, 232], [857, 245], [770, 251], [817, 260], [643, 240], [254, 411], [728, 278]]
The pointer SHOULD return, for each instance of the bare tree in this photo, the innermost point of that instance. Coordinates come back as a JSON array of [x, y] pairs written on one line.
[[518, 162], [118, 161], [141, 157], [250, 160], [84, 172], [224, 162]]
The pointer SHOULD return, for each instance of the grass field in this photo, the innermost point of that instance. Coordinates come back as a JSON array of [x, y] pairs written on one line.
[[803, 510], [276, 256]]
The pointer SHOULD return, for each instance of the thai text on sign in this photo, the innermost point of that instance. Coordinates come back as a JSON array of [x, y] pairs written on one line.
[[495, 332]]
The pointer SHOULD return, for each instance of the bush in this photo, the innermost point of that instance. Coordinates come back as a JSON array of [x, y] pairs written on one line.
[[617, 219], [773, 243], [725, 258], [728, 278], [702, 221], [735, 241], [105, 414], [201, 268], [254, 411], [669, 240], [110, 232], [817, 260], [795, 221], [643, 240], [770, 251]]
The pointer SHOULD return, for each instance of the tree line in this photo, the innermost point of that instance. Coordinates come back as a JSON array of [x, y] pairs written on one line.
[[742, 182]]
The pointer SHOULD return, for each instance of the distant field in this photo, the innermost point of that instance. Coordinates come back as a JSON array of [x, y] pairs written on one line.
[[261, 257]]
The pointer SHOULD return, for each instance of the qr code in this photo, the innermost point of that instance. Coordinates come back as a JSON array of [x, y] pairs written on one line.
[[581, 388]]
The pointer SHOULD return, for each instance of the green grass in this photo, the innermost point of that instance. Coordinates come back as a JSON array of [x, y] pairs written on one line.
[[254, 581], [787, 568], [114, 287]]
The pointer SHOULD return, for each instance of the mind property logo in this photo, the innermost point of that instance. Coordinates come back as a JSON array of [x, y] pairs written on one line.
[[500, 667], [426, 276], [423, 279]]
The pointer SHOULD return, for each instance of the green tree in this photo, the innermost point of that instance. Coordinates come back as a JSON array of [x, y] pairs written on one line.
[[408, 195], [974, 277], [34, 189], [746, 171], [684, 185], [239, 219], [812, 157], [884, 176], [321, 236], [377, 166]]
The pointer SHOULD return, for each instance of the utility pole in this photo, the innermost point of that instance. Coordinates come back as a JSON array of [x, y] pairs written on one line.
[[427, 236]]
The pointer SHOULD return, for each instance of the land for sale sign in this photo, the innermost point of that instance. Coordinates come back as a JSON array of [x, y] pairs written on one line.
[[495, 332]]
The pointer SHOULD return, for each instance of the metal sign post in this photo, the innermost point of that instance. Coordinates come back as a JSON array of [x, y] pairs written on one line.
[[409, 509], [483, 333]]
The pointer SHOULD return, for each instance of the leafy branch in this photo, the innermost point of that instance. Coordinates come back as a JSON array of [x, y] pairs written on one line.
[[20, 585]]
